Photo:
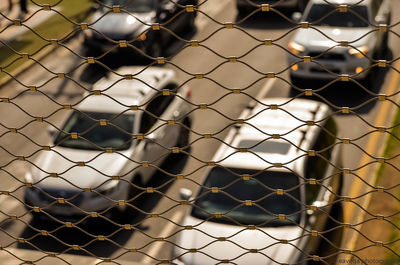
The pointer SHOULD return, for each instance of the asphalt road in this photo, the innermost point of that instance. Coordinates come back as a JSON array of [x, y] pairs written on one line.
[[223, 42]]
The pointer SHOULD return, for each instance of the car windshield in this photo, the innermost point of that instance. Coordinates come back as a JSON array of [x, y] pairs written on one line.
[[137, 6], [92, 136], [336, 18], [261, 188]]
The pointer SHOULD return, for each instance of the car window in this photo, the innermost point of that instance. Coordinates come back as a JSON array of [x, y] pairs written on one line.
[[260, 189], [316, 166], [327, 15], [156, 107], [93, 136]]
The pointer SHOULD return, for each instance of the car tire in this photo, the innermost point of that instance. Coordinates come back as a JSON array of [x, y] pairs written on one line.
[[385, 46]]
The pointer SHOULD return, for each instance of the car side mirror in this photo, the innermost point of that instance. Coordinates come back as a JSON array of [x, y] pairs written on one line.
[[380, 19], [296, 16], [52, 132], [185, 194]]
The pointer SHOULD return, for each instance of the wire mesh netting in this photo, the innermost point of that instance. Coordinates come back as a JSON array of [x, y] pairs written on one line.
[[199, 132]]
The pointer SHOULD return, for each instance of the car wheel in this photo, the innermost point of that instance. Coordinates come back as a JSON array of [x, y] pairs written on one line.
[[385, 46]]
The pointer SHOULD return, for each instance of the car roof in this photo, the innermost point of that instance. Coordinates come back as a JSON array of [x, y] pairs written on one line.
[[340, 2], [131, 86], [289, 120]]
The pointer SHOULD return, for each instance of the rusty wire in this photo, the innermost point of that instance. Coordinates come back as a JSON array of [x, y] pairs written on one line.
[[197, 136]]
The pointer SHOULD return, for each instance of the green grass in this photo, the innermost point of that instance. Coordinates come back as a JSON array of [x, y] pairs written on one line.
[[391, 145], [56, 27]]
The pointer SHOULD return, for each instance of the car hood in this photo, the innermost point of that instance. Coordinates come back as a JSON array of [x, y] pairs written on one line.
[[120, 26], [239, 241], [318, 39], [63, 161]]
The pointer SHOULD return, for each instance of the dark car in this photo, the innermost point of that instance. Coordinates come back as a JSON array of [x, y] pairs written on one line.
[[133, 23]]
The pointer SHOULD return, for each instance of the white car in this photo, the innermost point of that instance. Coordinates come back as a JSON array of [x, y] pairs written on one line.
[[111, 143], [266, 193], [330, 26]]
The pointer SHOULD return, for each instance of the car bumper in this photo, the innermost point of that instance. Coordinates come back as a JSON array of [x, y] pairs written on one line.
[[319, 69]]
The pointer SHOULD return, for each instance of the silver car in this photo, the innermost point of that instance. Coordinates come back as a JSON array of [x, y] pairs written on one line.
[[110, 145], [335, 23], [259, 203]]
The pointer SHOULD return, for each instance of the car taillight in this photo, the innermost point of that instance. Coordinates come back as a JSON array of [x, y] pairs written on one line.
[[188, 93]]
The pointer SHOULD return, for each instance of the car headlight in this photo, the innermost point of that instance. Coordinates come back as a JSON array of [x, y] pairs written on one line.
[[359, 52], [295, 48], [130, 20]]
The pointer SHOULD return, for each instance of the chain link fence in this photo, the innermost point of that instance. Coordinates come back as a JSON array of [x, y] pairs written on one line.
[[198, 132]]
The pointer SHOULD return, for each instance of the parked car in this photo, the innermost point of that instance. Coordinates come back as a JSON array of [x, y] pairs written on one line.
[[355, 26], [249, 202], [246, 6], [133, 24], [97, 142]]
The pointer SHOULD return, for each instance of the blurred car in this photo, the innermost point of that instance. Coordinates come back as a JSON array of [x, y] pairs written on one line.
[[355, 26], [246, 6], [97, 143], [133, 24], [253, 199]]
